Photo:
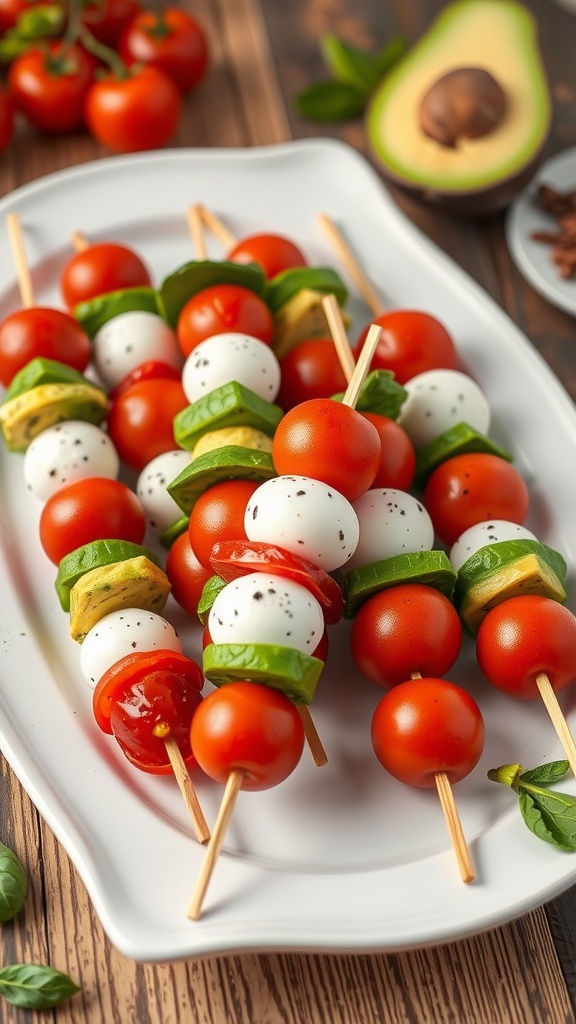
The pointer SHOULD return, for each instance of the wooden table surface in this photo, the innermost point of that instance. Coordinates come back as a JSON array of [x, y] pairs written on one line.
[[263, 53]]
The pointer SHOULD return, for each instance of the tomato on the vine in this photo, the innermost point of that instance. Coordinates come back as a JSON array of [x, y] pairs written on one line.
[[133, 112], [141, 420], [425, 726], [100, 268], [310, 370], [472, 488], [411, 341], [6, 119], [41, 331], [397, 455], [107, 19], [169, 39], [222, 308], [95, 508], [219, 515], [274, 253], [49, 85]]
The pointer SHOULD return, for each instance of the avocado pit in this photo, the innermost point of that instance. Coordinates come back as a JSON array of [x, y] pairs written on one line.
[[464, 103]]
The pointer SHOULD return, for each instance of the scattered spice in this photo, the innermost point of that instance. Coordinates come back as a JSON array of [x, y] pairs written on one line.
[[562, 206]]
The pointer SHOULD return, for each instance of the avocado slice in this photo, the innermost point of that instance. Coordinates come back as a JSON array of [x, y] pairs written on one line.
[[301, 317], [229, 463], [465, 174], [283, 668], [458, 440], [132, 583], [94, 555], [433, 568], [230, 405], [24, 417]]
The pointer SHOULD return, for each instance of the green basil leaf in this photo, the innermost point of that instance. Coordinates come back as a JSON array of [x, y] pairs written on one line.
[[545, 774], [390, 54], [192, 277], [13, 884], [34, 986], [331, 101], [379, 393], [350, 64], [550, 816], [289, 282]]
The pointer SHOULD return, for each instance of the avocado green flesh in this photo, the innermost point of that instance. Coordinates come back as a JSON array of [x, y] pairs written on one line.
[[529, 574], [283, 668], [196, 275], [379, 393], [210, 592], [228, 463], [288, 283], [41, 371], [494, 557], [93, 556], [431, 568], [459, 440], [497, 35], [94, 313], [230, 405]]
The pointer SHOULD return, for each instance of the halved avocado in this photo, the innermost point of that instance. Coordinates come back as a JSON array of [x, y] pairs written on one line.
[[493, 45]]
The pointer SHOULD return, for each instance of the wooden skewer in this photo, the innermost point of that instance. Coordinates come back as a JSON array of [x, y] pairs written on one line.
[[187, 789], [362, 366], [216, 226], [558, 721], [233, 786], [79, 241], [339, 336], [455, 827], [195, 226], [14, 228], [352, 265], [312, 738]]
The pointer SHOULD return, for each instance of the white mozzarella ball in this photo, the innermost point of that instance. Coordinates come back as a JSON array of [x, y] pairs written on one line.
[[124, 632], [478, 536], [131, 338], [263, 608], [159, 506], [440, 399], [304, 516], [227, 357], [68, 451], [391, 523]]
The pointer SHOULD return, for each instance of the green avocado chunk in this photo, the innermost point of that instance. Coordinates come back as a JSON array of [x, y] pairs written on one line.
[[96, 312], [42, 371], [459, 440], [27, 415], [432, 568], [196, 275], [228, 463], [93, 556], [289, 282], [230, 405], [379, 393], [283, 668]]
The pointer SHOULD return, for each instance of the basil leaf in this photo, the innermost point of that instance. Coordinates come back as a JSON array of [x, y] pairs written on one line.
[[507, 774], [13, 884], [379, 393], [196, 275], [331, 101], [550, 816], [545, 774], [34, 986], [350, 64], [390, 54]]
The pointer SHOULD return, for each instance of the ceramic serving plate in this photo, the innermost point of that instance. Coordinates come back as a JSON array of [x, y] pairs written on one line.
[[336, 858]]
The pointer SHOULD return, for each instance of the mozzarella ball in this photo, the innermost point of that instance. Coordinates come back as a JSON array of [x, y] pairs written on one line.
[[68, 451], [304, 516], [262, 608], [438, 400], [391, 523], [227, 357], [478, 536], [132, 338], [159, 506], [124, 632]]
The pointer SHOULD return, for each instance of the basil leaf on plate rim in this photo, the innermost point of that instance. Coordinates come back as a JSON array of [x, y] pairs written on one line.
[[550, 815]]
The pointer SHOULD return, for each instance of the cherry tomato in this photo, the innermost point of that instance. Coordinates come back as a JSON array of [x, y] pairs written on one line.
[[233, 558], [425, 726], [152, 369], [310, 370], [397, 455], [101, 268], [404, 629], [328, 441], [141, 420], [41, 331], [249, 727], [107, 19], [274, 253], [219, 515], [50, 84], [169, 39], [473, 488], [186, 574], [222, 308], [133, 113], [411, 342], [92, 509], [6, 119], [523, 637]]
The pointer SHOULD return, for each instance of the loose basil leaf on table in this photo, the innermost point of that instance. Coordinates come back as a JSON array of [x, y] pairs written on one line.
[[13, 884], [34, 986]]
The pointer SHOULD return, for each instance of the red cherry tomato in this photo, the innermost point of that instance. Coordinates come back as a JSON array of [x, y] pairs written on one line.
[[404, 629], [187, 576], [101, 268], [41, 331], [6, 119], [169, 39], [92, 509], [328, 441], [310, 370], [274, 253], [222, 308], [50, 84], [133, 113], [219, 515], [397, 455], [523, 637], [107, 19], [473, 488], [425, 726], [249, 727], [152, 369], [141, 420], [411, 342], [233, 558]]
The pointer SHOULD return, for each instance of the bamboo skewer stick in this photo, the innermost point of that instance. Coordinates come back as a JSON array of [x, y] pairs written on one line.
[[14, 228], [196, 229], [362, 366], [187, 789], [216, 226], [79, 241], [373, 301], [557, 718], [233, 786], [312, 738], [339, 336], [454, 824]]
